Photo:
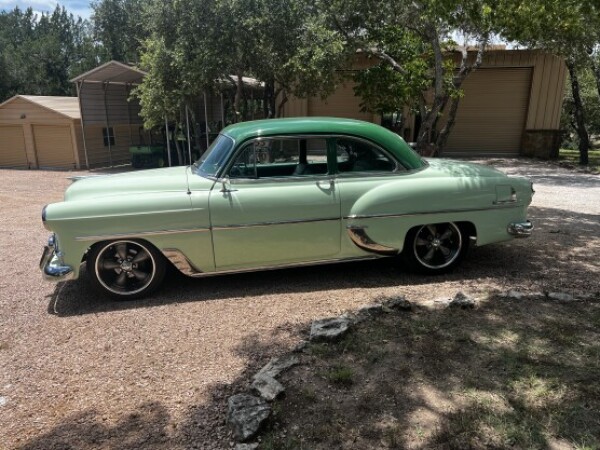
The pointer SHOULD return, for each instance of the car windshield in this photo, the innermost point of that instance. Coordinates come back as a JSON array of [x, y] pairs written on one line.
[[215, 157]]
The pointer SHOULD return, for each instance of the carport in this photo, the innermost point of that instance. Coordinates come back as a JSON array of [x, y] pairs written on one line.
[[111, 121]]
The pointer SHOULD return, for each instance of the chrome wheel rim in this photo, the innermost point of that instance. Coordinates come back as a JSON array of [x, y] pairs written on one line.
[[437, 245], [125, 267]]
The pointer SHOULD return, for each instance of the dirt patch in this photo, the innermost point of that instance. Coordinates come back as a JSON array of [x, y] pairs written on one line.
[[518, 374], [80, 371]]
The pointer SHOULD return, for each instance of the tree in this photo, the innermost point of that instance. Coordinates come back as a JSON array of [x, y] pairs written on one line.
[[279, 42], [40, 53], [564, 27], [120, 26], [411, 40]]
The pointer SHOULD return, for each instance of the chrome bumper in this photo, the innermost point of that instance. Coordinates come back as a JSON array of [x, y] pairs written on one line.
[[51, 263], [520, 229]]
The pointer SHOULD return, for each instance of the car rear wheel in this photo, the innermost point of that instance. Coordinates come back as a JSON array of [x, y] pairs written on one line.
[[126, 269], [435, 248]]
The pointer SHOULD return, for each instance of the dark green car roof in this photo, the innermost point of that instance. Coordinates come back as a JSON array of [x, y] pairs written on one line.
[[240, 132]]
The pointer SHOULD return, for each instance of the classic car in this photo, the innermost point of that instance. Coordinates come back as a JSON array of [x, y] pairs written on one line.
[[278, 193]]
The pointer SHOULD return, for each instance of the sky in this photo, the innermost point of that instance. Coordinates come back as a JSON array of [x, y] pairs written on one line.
[[77, 7]]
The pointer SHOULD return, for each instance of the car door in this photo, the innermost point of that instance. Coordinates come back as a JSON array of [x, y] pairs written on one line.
[[276, 204]]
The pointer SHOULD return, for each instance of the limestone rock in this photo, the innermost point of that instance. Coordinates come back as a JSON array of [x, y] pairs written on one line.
[[370, 310], [561, 296], [463, 301], [268, 387], [399, 303], [367, 311], [329, 329], [252, 446], [300, 346], [246, 414], [278, 365]]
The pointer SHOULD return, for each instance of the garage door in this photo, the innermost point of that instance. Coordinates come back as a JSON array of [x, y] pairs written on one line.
[[492, 114], [54, 146], [342, 103], [12, 146]]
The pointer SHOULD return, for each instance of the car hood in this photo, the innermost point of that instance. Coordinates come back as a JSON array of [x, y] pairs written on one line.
[[440, 167], [131, 183]]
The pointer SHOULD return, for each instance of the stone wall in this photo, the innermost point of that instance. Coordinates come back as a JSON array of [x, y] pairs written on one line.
[[543, 144]]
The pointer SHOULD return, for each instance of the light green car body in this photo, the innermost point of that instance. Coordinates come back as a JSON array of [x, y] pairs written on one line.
[[211, 225]]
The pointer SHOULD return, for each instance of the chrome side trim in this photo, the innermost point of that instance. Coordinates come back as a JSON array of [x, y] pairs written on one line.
[[520, 229], [424, 213], [504, 202], [187, 268], [266, 224], [181, 262], [361, 239], [140, 234]]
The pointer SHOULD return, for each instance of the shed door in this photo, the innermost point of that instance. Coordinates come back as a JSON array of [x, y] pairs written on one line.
[[342, 103], [54, 146], [12, 146], [491, 115]]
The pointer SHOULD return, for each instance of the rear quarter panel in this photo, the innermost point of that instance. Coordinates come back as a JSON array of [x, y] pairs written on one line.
[[390, 207]]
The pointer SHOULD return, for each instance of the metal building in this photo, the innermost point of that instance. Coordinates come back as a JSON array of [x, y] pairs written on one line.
[[511, 106], [41, 132]]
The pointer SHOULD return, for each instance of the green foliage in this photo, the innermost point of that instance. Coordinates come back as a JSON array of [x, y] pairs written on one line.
[[119, 26], [341, 376], [591, 101], [39, 54]]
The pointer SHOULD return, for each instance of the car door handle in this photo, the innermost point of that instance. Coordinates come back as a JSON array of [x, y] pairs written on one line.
[[322, 183], [226, 189]]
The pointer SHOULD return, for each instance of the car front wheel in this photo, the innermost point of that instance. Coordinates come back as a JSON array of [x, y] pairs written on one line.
[[435, 248], [126, 269]]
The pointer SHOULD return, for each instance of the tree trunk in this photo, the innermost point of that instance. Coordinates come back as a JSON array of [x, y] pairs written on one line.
[[459, 79], [177, 145], [582, 133], [444, 134], [270, 100], [425, 141], [284, 99], [238, 97]]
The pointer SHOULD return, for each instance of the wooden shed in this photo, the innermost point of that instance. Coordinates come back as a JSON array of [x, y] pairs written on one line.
[[40, 132], [511, 106]]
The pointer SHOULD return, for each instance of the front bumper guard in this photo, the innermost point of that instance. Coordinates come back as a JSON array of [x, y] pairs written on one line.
[[520, 229], [51, 264]]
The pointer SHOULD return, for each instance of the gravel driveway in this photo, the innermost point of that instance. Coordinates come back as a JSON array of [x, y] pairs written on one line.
[[79, 371]]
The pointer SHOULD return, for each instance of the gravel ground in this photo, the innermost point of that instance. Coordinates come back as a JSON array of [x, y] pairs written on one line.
[[79, 371]]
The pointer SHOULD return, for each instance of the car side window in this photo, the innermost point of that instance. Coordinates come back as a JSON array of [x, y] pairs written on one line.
[[281, 158], [354, 155]]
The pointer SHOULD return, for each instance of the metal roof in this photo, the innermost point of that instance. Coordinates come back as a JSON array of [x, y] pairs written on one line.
[[65, 106], [112, 72]]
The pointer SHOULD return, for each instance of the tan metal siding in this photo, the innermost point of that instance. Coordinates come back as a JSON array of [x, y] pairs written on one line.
[[342, 103], [54, 146], [294, 107], [99, 155], [491, 116], [25, 111], [119, 109], [12, 146]]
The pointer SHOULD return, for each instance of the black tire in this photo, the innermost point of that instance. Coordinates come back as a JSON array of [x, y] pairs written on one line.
[[126, 269], [435, 248]]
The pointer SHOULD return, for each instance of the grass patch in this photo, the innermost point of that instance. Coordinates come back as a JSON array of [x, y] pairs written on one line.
[[341, 376], [506, 375], [572, 157]]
